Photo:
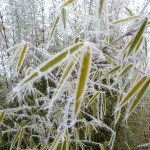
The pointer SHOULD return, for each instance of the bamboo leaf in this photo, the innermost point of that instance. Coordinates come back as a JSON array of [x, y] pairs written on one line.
[[15, 139], [138, 97], [54, 27], [110, 60], [67, 2], [139, 44], [126, 19], [82, 81], [125, 70], [92, 99], [132, 91], [129, 11], [137, 37], [2, 115], [101, 3], [46, 66], [56, 141], [66, 142], [117, 115], [20, 137], [113, 71], [145, 47], [22, 57], [64, 17], [65, 76]]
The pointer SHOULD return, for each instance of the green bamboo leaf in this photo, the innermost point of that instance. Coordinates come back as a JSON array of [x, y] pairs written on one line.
[[139, 44], [52, 62], [125, 70], [2, 115], [56, 141], [101, 3], [92, 99], [67, 2], [22, 57], [64, 76], [129, 11], [66, 142], [76, 40], [145, 47], [20, 137], [95, 74], [54, 27], [110, 60], [15, 139], [43, 147], [46, 66], [64, 17], [137, 37], [126, 19], [117, 115], [132, 91], [138, 97], [82, 81], [113, 71]]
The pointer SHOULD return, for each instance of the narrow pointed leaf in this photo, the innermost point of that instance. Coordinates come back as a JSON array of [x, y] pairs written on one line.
[[54, 27], [15, 139], [132, 91], [2, 115], [139, 44], [110, 60], [20, 137], [101, 3], [92, 99], [46, 66], [138, 97], [137, 37], [65, 76], [67, 2], [55, 142], [66, 142], [126, 70], [113, 71], [82, 81], [126, 19], [64, 17], [22, 56], [129, 11]]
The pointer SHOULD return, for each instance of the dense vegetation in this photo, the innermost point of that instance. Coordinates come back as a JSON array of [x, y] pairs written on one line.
[[74, 75]]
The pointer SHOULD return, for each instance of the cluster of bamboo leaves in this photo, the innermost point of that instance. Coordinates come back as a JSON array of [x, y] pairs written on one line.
[[75, 98]]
